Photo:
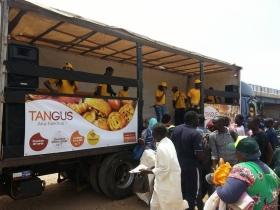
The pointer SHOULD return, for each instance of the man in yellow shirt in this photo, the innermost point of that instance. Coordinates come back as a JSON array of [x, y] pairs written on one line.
[[160, 101], [210, 98], [106, 89], [194, 95], [61, 85], [123, 92], [179, 103]]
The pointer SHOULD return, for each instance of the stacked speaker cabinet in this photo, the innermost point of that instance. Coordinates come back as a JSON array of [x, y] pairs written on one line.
[[231, 89], [22, 53], [14, 109]]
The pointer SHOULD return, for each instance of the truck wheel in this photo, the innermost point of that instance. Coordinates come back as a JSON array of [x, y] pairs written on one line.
[[114, 178], [93, 177]]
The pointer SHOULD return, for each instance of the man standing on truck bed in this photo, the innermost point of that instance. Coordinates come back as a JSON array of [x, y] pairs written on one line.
[[106, 89], [62, 85], [179, 103], [194, 95], [160, 98]]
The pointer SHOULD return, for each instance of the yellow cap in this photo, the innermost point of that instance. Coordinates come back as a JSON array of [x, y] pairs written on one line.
[[163, 84], [197, 81], [68, 65]]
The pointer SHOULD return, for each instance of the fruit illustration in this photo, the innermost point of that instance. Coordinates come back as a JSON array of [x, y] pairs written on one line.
[[127, 111], [92, 137], [79, 108], [101, 106], [90, 116], [115, 104], [116, 121]]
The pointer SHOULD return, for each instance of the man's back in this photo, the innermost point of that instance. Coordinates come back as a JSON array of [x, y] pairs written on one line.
[[262, 141], [187, 141], [272, 137], [219, 146]]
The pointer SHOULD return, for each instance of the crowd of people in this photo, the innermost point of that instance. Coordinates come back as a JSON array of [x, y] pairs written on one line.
[[189, 153], [181, 101]]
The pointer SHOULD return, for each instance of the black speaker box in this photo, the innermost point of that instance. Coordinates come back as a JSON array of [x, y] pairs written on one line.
[[13, 130], [26, 54], [233, 89]]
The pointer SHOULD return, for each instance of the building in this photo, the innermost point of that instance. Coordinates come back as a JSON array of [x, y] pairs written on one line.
[[270, 99]]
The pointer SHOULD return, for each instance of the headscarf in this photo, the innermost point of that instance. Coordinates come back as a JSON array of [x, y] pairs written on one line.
[[152, 123]]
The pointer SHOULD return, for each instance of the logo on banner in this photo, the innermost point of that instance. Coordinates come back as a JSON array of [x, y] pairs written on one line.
[[37, 142]]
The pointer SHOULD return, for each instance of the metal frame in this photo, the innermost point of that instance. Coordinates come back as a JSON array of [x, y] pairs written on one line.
[[122, 34], [201, 68], [4, 19], [56, 73], [101, 46], [46, 32], [78, 40], [16, 20], [49, 158], [140, 86]]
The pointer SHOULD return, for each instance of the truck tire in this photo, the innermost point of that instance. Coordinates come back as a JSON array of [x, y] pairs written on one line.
[[93, 177], [114, 178]]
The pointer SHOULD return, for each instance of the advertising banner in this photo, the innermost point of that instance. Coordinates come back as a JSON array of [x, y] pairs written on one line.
[[62, 124], [213, 110]]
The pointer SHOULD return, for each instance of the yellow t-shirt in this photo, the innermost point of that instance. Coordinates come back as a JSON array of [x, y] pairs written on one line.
[[160, 93], [179, 97], [66, 87], [104, 90], [194, 94], [123, 93], [211, 99]]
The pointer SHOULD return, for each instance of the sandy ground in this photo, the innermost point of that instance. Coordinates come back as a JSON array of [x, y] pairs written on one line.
[[64, 196]]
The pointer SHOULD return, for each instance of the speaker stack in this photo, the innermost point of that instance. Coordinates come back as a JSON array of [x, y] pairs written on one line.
[[231, 89], [14, 112]]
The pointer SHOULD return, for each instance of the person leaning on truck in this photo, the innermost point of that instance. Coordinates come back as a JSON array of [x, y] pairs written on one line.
[[179, 103], [62, 85], [106, 89], [160, 98], [194, 95]]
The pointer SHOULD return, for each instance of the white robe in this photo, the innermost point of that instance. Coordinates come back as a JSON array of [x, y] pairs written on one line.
[[148, 159], [167, 193]]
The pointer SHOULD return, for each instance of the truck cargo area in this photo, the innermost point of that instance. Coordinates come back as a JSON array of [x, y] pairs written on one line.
[[35, 43]]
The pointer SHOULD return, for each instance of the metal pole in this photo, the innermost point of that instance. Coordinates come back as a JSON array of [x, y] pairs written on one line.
[[3, 53], [140, 86], [201, 88]]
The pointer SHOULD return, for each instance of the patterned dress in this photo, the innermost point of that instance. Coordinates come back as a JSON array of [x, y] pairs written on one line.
[[263, 187]]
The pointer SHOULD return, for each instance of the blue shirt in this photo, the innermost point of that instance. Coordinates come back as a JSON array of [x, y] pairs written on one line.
[[272, 137], [187, 142]]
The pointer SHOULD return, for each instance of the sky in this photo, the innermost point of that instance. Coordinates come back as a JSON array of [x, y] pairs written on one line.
[[241, 32]]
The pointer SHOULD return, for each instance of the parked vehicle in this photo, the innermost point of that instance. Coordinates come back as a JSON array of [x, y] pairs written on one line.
[[81, 136]]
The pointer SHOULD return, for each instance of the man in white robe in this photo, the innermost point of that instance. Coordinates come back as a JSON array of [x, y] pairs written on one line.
[[167, 194]]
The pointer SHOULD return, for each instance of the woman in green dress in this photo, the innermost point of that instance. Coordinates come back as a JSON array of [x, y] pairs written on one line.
[[252, 176]]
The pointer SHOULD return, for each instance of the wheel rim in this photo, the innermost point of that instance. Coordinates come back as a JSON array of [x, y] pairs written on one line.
[[122, 177]]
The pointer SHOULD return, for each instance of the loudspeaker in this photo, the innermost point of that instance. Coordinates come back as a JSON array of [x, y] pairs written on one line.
[[27, 54], [233, 89], [13, 130]]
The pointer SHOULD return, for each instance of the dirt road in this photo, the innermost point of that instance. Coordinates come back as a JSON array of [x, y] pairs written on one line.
[[64, 196]]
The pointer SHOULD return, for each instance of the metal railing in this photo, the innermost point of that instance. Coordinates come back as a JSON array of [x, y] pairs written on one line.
[[265, 91]]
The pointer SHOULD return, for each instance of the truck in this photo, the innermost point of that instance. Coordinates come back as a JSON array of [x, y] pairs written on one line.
[[82, 136]]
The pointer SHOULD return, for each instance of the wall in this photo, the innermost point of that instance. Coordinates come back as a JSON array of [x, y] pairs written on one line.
[[151, 78], [271, 110]]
